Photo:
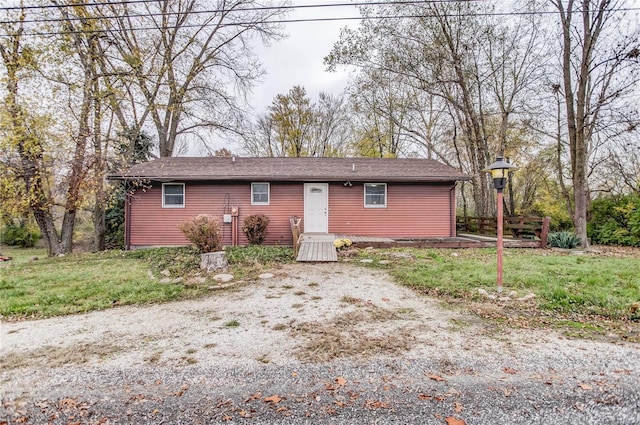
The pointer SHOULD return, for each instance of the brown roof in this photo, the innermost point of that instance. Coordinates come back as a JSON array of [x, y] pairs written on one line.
[[293, 169]]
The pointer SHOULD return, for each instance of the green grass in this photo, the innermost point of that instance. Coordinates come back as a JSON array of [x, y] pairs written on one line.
[[94, 281], [588, 286], [84, 282]]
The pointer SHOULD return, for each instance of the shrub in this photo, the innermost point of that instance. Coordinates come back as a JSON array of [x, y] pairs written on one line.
[[255, 227], [615, 221], [203, 231], [19, 234], [566, 240]]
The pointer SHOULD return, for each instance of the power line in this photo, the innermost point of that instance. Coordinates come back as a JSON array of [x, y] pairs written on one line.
[[301, 6], [285, 21]]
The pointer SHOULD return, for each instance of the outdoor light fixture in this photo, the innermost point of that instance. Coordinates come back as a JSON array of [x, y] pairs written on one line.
[[499, 171]]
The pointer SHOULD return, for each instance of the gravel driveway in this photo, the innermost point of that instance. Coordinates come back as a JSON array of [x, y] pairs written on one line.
[[325, 343]]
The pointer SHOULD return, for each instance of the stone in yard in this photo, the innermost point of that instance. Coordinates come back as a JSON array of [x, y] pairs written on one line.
[[33, 259], [384, 262], [165, 280], [165, 273], [505, 298], [177, 280], [223, 277], [265, 276], [513, 294], [366, 260], [527, 297], [196, 280], [483, 292]]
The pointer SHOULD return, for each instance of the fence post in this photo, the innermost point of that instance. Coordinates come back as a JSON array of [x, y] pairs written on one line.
[[545, 231]]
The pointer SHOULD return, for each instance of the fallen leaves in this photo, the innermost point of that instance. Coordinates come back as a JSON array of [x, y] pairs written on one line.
[[435, 377], [340, 381], [457, 407], [273, 399], [509, 370], [452, 420], [585, 386]]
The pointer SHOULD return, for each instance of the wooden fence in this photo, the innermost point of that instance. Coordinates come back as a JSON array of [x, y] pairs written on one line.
[[534, 228]]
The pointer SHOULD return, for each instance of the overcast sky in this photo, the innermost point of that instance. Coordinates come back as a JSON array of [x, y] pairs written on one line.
[[297, 60]]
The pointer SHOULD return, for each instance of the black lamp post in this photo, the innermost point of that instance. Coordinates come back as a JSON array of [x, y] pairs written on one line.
[[499, 171]]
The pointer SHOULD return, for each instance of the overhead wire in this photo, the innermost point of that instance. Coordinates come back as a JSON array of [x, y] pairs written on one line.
[[259, 8]]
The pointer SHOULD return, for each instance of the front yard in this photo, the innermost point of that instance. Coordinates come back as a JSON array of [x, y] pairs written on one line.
[[595, 294]]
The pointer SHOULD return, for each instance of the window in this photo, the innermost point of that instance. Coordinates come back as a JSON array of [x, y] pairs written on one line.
[[259, 193], [173, 195], [375, 195]]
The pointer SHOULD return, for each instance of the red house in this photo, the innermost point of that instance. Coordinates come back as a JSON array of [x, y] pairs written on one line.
[[390, 197]]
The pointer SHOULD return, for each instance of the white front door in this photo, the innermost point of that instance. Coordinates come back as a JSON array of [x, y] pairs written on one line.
[[316, 207]]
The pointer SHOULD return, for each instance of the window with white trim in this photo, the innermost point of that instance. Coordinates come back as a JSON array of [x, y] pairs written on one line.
[[260, 193], [375, 195], [172, 195]]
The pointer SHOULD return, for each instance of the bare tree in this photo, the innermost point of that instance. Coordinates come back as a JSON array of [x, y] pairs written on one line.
[[595, 56], [190, 61]]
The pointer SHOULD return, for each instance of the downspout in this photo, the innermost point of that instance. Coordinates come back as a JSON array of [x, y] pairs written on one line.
[[127, 216]]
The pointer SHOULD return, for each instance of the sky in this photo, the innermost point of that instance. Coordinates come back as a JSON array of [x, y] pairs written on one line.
[[298, 59]]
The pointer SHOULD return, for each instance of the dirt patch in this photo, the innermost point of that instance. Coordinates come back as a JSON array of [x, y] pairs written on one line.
[[359, 333], [50, 356]]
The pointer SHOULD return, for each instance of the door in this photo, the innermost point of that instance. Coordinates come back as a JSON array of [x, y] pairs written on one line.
[[316, 207]]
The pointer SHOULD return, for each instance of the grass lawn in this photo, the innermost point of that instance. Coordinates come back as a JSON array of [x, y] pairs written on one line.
[[93, 281], [583, 293]]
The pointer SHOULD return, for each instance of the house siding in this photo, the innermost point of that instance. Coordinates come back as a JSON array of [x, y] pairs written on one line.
[[151, 225], [413, 211]]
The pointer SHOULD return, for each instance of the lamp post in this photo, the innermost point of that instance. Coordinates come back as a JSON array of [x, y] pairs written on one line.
[[499, 171]]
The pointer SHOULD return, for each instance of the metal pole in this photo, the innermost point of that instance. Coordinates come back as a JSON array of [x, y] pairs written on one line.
[[500, 222]]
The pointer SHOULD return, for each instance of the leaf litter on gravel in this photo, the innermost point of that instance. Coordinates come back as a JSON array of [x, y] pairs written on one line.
[[354, 333]]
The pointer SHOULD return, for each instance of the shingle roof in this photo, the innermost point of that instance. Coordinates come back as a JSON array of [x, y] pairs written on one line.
[[292, 169]]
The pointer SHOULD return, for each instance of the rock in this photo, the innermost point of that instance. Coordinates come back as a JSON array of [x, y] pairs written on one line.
[[384, 262], [165, 280], [177, 280], [165, 272], [366, 260], [513, 294], [483, 292], [505, 298], [491, 297], [61, 255], [455, 254], [401, 255], [223, 277], [196, 280], [527, 297], [265, 276], [33, 259], [213, 261]]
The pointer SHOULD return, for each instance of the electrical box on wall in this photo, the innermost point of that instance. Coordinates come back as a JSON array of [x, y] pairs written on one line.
[[226, 218]]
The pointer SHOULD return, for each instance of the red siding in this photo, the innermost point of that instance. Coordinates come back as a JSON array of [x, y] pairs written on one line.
[[413, 210], [150, 224]]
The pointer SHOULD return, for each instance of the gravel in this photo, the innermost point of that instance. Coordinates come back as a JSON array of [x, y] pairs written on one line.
[[222, 359]]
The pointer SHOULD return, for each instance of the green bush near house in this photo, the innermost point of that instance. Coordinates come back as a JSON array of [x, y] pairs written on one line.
[[615, 221], [20, 234]]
